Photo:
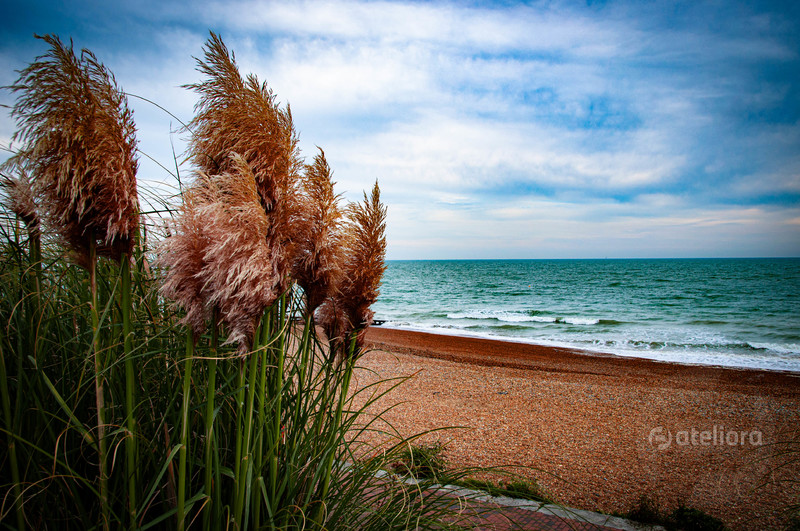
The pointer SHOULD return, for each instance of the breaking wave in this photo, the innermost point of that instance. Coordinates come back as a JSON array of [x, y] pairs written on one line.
[[506, 316]]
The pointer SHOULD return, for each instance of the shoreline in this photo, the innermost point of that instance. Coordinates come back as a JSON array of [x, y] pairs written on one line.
[[584, 351], [532, 356], [583, 424]]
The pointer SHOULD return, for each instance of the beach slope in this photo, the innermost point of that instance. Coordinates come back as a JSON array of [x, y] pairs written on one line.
[[600, 431]]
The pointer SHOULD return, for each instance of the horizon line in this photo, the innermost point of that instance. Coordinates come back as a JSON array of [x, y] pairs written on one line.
[[596, 258]]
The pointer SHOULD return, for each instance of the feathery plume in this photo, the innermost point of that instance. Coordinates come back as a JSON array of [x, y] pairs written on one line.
[[348, 310], [242, 266], [236, 115], [220, 255], [318, 258], [182, 254], [79, 147], [20, 199]]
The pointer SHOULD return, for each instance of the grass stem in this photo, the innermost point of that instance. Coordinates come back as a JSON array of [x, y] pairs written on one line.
[[212, 505], [99, 377], [246, 467], [130, 389], [182, 455], [12, 446]]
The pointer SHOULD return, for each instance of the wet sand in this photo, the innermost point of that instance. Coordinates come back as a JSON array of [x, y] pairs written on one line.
[[600, 431]]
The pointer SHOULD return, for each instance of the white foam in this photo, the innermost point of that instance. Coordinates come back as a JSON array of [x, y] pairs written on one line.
[[499, 315], [785, 361], [580, 321], [790, 350], [520, 317]]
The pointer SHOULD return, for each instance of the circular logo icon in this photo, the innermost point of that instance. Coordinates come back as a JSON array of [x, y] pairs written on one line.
[[660, 438]]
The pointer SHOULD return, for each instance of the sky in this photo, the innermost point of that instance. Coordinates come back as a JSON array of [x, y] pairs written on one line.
[[495, 129]]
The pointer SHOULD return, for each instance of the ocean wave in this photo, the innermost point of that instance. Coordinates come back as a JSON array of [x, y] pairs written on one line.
[[710, 322], [610, 322], [527, 317], [619, 345], [767, 356], [578, 321], [499, 315], [791, 350], [719, 346]]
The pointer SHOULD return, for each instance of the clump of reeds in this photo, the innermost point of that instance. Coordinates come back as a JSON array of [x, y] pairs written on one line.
[[318, 247], [245, 147], [220, 257], [78, 146], [278, 425], [346, 314]]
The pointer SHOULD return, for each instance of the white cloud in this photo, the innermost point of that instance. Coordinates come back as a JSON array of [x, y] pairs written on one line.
[[502, 129], [321, 78], [658, 226], [519, 28], [453, 154]]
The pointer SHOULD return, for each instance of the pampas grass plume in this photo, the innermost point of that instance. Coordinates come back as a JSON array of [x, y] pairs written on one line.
[[318, 253], [349, 309], [79, 148], [20, 199], [243, 267], [241, 115], [220, 256], [182, 255]]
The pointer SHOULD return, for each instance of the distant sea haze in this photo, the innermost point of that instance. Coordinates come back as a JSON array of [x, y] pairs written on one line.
[[729, 312]]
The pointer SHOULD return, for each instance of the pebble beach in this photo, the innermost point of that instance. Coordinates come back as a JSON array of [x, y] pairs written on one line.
[[598, 432]]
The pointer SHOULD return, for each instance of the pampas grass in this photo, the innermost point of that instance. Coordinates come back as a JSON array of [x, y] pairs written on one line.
[[319, 242], [241, 116], [242, 259], [220, 257], [260, 432], [181, 255], [20, 199], [220, 254], [346, 315], [78, 145]]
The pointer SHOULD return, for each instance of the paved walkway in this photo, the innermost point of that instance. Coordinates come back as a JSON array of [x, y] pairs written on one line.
[[550, 519], [497, 513]]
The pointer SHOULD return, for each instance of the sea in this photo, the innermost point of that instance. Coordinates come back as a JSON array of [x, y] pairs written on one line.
[[723, 312]]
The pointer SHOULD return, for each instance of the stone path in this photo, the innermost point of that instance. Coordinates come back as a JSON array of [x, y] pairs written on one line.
[[497, 513]]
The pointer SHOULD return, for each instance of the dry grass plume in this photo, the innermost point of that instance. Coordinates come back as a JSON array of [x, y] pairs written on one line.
[[78, 146], [182, 254], [220, 255], [348, 310], [318, 251], [21, 200], [241, 115]]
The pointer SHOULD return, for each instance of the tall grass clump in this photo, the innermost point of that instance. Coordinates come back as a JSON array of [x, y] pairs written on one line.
[[184, 381], [78, 146]]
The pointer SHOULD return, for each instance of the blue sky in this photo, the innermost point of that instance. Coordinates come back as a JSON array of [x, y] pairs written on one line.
[[496, 130]]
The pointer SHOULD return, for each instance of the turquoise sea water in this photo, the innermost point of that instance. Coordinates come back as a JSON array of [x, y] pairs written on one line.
[[732, 312]]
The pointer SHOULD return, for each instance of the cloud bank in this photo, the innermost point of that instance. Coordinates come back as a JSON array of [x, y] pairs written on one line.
[[507, 130]]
